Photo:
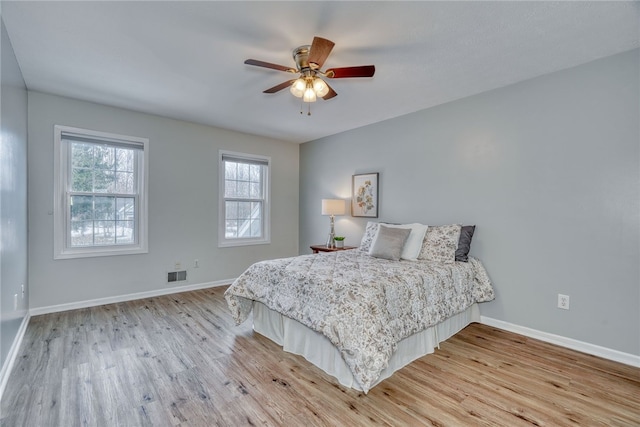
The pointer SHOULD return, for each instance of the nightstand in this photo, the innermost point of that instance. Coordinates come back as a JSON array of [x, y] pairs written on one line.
[[324, 248]]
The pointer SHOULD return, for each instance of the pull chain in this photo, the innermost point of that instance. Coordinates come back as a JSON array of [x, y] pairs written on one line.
[[302, 107]]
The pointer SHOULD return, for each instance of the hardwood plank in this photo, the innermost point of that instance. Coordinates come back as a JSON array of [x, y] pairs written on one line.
[[76, 395], [179, 360], [152, 414]]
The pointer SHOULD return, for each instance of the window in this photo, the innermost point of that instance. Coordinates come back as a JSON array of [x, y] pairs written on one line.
[[100, 193], [244, 199]]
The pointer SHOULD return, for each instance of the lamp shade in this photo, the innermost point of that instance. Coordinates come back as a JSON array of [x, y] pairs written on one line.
[[333, 207]]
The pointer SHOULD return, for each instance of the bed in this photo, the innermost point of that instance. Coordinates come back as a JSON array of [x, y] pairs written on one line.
[[357, 316]]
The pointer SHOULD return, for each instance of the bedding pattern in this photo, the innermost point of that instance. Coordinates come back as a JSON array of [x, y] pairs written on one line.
[[440, 243], [363, 305]]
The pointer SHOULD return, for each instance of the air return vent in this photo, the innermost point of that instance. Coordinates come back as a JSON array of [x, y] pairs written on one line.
[[177, 276]]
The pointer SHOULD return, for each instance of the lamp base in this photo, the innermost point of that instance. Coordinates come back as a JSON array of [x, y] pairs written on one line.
[[332, 233], [330, 242]]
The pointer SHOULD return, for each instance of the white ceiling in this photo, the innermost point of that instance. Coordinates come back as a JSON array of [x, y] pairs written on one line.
[[184, 59]]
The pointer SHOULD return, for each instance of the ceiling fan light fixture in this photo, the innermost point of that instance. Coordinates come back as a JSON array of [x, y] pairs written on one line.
[[320, 87], [309, 94], [309, 88], [298, 87]]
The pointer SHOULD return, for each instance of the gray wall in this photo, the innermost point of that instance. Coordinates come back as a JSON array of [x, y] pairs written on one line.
[[547, 168], [183, 204], [13, 197]]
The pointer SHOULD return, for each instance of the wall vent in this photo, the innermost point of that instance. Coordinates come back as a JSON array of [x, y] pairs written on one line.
[[177, 276]]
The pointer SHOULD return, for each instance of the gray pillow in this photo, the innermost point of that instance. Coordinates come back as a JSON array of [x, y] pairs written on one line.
[[389, 242], [464, 244]]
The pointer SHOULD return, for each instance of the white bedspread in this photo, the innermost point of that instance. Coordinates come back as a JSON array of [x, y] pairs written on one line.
[[363, 305]]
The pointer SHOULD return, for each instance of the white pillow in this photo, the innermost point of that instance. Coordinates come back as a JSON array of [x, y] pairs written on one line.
[[413, 245]]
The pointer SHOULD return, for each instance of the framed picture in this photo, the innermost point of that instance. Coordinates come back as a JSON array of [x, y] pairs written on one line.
[[364, 198]]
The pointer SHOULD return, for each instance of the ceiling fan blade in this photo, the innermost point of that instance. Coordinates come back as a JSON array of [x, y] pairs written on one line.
[[345, 72], [330, 94], [319, 51], [279, 87], [270, 65]]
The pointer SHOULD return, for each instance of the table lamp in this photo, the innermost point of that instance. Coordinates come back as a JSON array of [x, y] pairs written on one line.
[[332, 207]]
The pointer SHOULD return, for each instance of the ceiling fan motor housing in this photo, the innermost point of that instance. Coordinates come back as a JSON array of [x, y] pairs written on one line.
[[301, 58]]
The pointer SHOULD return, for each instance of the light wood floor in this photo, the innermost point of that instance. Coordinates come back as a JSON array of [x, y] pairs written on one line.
[[180, 361]]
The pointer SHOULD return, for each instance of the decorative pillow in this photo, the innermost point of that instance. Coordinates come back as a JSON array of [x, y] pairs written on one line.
[[440, 244], [464, 244], [413, 245], [369, 234], [389, 242]]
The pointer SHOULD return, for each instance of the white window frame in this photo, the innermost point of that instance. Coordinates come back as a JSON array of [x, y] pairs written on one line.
[[61, 203], [223, 241]]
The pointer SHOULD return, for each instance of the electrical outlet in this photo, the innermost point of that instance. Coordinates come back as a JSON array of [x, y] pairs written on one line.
[[178, 265], [563, 301]]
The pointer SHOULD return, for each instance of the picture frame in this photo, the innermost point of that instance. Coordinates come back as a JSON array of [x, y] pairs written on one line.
[[364, 195]]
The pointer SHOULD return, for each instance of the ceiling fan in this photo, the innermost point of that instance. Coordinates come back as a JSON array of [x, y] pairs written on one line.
[[309, 60]]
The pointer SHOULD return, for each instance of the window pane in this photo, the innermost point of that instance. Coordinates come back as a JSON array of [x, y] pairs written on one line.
[[243, 171], [230, 170], [256, 210], [125, 159], [125, 208], [244, 210], [243, 189], [244, 219], [124, 182], [105, 208], [104, 233], [104, 157], [104, 181], [256, 228], [255, 190], [81, 208], [82, 180], [244, 228], [230, 188], [231, 229], [255, 172], [81, 233], [81, 155], [231, 210], [125, 232]]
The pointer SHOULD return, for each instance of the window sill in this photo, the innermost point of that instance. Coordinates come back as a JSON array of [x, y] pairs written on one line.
[[242, 242], [99, 252]]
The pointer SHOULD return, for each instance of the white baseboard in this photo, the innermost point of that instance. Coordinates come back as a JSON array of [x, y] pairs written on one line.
[[128, 297], [595, 350], [13, 354]]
